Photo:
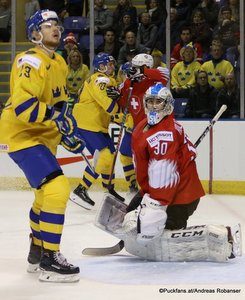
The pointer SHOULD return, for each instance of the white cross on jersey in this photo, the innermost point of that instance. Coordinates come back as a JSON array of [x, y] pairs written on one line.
[[134, 103]]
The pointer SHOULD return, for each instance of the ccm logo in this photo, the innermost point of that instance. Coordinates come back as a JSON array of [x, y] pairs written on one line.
[[186, 234]]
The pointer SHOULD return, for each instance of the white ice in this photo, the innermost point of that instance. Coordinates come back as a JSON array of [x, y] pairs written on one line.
[[120, 276]]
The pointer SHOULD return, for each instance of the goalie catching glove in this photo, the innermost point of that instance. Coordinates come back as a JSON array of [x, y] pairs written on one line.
[[61, 114], [74, 144]]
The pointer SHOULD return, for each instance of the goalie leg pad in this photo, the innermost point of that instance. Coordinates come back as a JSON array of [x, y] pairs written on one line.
[[197, 243]]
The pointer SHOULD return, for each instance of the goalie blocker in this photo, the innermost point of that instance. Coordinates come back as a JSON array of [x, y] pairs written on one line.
[[215, 243]]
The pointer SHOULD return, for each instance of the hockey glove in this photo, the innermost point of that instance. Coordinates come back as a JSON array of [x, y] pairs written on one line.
[[128, 121], [113, 93], [61, 114], [135, 74], [73, 144]]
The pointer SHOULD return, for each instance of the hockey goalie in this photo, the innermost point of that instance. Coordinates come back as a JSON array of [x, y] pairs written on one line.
[[154, 224]]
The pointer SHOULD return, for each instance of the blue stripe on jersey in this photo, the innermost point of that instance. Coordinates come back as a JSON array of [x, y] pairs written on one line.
[[110, 108], [34, 114], [25, 105], [94, 175], [53, 238], [128, 177], [128, 168], [52, 218], [34, 217], [105, 176], [36, 234], [87, 182]]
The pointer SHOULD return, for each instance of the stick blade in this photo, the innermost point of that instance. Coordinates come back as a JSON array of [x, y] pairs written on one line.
[[104, 251]]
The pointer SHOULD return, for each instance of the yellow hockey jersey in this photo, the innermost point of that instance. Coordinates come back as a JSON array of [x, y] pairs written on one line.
[[94, 109], [36, 81]]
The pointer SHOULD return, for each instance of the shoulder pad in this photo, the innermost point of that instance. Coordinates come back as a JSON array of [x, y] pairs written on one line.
[[102, 80], [30, 60]]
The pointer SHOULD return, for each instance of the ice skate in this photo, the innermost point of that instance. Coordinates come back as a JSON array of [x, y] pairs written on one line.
[[34, 257], [55, 268], [80, 196]]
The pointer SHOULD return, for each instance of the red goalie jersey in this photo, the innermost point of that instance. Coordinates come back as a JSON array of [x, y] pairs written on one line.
[[165, 166], [135, 105]]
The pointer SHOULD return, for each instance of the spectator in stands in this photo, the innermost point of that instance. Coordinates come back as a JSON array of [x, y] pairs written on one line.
[[77, 74], [123, 26], [175, 27], [103, 17], [201, 31], [185, 39], [122, 7], [110, 44], [157, 13], [227, 30], [210, 10], [216, 41], [157, 59], [74, 7], [30, 8], [233, 56], [146, 31], [202, 98], [183, 9], [5, 20], [70, 43], [130, 48], [183, 73], [56, 5], [229, 95], [234, 6], [217, 68], [161, 4]]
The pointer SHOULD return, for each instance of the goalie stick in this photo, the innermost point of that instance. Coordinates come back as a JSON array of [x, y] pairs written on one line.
[[120, 245]]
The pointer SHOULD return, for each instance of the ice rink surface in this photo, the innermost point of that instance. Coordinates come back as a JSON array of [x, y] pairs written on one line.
[[120, 276]]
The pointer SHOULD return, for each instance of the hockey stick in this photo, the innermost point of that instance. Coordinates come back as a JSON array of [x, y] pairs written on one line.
[[120, 135], [120, 245]]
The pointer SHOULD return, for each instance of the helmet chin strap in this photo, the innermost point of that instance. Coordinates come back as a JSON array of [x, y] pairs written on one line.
[[40, 43]]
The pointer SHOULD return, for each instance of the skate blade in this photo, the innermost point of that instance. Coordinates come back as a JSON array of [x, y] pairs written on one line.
[[47, 276], [33, 268], [78, 201]]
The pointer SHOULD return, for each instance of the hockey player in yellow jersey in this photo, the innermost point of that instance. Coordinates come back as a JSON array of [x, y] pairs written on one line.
[[35, 120], [93, 115]]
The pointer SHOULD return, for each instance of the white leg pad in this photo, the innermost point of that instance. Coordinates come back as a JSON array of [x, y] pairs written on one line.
[[197, 243]]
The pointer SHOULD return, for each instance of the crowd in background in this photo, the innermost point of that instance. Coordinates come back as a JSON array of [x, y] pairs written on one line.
[[205, 45]]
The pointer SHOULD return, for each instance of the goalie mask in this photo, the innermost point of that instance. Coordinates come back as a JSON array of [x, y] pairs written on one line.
[[158, 103]]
